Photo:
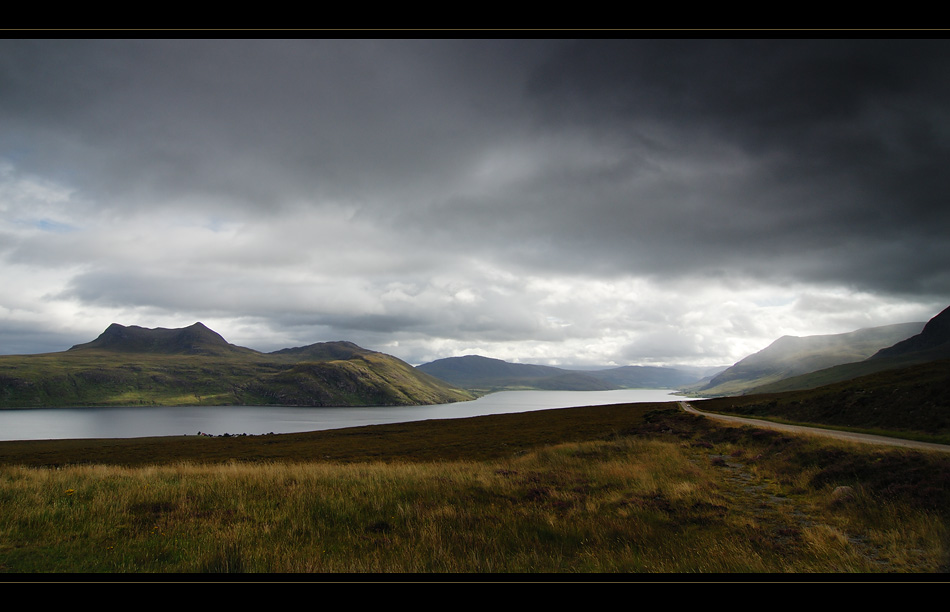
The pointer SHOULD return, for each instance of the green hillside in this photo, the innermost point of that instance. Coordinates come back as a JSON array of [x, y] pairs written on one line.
[[792, 356], [127, 366], [373, 379], [911, 400], [931, 344]]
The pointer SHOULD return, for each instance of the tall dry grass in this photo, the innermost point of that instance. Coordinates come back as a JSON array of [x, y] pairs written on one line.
[[630, 504]]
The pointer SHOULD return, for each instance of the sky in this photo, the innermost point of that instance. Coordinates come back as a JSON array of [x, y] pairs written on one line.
[[562, 202]]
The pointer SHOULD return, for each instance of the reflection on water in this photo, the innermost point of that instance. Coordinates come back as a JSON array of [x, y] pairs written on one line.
[[137, 422]]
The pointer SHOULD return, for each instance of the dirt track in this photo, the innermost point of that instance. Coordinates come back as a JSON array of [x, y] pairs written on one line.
[[844, 435]]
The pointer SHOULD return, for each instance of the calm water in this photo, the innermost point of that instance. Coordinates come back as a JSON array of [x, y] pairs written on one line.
[[137, 422]]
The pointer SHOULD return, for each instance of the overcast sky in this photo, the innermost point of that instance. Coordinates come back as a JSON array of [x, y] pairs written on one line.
[[563, 202]]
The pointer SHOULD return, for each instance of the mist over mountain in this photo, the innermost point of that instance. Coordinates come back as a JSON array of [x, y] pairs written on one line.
[[477, 372], [933, 342], [791, 356], [653, 377]]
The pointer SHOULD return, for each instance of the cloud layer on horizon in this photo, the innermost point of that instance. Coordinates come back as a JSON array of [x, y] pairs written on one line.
[[571, 202]]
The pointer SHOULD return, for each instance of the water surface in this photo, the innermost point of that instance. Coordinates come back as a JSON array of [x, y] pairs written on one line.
[[138, 422]]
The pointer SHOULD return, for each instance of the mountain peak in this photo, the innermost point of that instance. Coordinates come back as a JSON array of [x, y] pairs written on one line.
[[933, 341], [196, 339]]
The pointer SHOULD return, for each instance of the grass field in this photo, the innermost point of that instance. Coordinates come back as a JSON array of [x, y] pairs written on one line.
[[639, 488]]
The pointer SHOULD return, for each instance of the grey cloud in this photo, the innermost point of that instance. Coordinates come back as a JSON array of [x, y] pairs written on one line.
[[777, 146], [19, 338], [254, 121], [823, 130], [303, 181]]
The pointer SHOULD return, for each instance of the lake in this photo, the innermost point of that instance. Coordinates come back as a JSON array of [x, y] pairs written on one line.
[[138, 422]]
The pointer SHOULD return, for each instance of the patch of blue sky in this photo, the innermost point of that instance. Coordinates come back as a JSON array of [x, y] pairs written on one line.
[[216, 224], [56, 227]]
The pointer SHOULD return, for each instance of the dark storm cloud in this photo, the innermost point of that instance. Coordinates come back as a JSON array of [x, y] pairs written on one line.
[[429, 186], [247, 121], [760, 154], [836, 152]]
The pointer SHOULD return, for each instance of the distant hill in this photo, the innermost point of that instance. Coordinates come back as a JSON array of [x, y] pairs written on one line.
[[128, 366], [792, 356], [647, 377], [484, 373], [931, 344]]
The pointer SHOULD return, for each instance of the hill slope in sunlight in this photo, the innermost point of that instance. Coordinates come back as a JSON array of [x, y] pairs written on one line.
[[791, 356], [131, 365]]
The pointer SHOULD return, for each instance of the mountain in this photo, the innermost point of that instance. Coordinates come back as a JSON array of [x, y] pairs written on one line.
[[932, 344], [647, 377], [476, 372], [195, 339], [792, 356], [194, 365], [484, 373]]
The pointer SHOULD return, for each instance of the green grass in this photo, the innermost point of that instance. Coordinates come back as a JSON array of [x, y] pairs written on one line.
[[641, 488]]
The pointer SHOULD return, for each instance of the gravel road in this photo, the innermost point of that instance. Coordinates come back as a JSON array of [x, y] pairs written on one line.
[[844, 435]]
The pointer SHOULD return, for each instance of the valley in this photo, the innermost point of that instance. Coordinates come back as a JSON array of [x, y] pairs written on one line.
[[620, 489]]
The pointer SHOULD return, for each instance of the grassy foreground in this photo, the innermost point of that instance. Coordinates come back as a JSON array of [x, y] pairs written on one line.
[[625, 488]]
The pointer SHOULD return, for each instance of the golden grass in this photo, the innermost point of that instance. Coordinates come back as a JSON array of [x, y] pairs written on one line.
[[623, 505]]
